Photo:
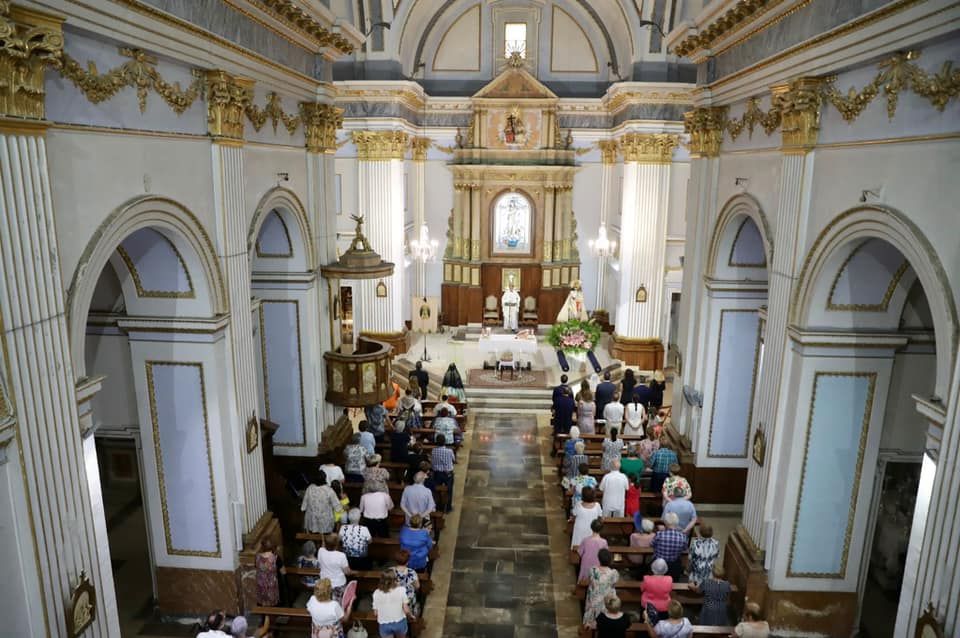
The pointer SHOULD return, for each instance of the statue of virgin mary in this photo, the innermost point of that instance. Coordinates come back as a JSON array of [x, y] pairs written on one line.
[[573, 307]]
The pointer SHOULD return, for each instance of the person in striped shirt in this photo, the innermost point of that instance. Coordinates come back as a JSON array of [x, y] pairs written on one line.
[[442, 459]]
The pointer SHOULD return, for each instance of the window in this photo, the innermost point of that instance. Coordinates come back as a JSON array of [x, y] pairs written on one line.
[[515, 39], [511, 228]]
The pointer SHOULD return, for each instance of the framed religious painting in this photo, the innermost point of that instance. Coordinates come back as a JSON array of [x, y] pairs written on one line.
[[509, 277], [512, 225], [927, 625]]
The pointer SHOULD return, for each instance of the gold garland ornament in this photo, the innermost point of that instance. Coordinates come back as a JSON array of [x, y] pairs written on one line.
[[274, 112], [139, 72]]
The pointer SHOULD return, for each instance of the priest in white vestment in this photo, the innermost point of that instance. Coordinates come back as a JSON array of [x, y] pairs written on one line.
[[510, 301]]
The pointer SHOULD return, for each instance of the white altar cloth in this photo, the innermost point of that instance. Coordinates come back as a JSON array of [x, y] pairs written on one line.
[[498, 344]]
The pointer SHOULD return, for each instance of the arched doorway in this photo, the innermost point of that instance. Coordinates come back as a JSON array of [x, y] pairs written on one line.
[[146, 310], [872, 329]]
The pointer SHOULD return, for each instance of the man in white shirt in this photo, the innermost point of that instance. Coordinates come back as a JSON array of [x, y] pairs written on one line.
[[445, 404], [613, 413], [511, 309], [375, 509], [614, 487], [213, 628]]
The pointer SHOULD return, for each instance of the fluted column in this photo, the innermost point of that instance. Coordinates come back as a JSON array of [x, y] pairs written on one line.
[[227, 97], [799, 107], [646, 185], [608, 158], [380, 166], [705, 128], [320, 124], [474, 244], [419, 146]]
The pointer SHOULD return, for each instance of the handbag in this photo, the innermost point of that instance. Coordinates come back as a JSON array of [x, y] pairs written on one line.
[[357, 631]]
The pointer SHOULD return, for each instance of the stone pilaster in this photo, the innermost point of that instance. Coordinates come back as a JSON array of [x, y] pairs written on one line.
[[419, 146], [227, 97], [705, 128], [646, 185], [38, 411], [608, 157], [800, 115], [380, 166]]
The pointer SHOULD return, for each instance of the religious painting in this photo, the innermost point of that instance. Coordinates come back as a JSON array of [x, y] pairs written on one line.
[[642, 294], [512, 217], [759, 447], [425, 311], [509, 277], [253, 434], [927, 625], [82, 607], [381, 289], [368, 376], [514, 131]]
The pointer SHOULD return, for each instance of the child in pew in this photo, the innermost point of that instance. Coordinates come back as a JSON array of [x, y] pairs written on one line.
[[632, 503], [612, 623]]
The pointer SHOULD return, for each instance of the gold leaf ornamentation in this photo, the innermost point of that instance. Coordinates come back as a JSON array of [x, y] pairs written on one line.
[[139, 72], [273, 111], [320, 124], [753, 116], [228, 97], [30, 41], [299, 19]]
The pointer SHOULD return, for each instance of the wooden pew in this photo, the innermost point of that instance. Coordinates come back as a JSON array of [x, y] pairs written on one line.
[[295, 621], [620, 555], [621, 526], [643, 630], [380, 549], [593, 441], [630, 591], [367, 581], [354, 492]]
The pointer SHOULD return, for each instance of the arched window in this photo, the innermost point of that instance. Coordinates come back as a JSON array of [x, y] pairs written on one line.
[[511, 226]]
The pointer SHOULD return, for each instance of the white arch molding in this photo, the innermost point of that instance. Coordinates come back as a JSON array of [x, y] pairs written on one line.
[[737, 207], [290, 209], [159, 213], [883, 222]]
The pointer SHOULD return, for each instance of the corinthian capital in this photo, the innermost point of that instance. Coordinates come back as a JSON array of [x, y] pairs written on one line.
[[798, 104], [320, 124], [29, 41], [608, 151], [380, 145], [704, 125], [227, 99], [649, 148]]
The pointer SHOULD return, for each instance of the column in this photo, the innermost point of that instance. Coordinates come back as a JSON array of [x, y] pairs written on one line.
[[419, 146], [320, 124], [380, 167], [646, 185], [799, 106], [47, 491], [705, 128], [474, 245], [608, 158], [227, 97], [930, 563]]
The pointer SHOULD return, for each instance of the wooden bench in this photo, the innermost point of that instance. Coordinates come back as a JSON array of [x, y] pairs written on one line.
[[620, 555], [380, 549], [295, 621], [630, 591], [367, 581], [355, 490], [643, 630], [621, 526]]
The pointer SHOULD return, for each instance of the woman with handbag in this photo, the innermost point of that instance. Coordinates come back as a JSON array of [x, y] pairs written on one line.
[[390, 604], [326, 614]]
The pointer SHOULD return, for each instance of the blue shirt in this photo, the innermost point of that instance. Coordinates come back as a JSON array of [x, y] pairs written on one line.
[[418, 543], [661, 460], [368, 443], [442, 460], [669, 544], [684, 510], [375, 415]]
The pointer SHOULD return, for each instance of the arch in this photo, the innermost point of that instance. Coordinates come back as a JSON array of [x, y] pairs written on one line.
[[292, 212], [728, 227], [178, 225], [846, 232]]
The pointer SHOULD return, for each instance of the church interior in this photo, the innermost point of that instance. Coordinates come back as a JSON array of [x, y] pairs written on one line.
[[480, 318]]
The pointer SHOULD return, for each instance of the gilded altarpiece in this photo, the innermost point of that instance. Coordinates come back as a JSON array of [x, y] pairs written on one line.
[[513, 206]]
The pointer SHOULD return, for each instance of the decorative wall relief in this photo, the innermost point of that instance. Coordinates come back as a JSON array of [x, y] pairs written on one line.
[[369, 376], [253, 433], [29, 42], [759, 446], [381, 289], [82, 609], [641, 296], [274, 112]]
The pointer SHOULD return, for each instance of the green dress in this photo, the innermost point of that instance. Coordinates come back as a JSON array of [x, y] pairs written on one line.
[[631, 466]]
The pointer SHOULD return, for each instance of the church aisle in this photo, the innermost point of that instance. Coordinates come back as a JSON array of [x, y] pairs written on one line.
[[501, 583]]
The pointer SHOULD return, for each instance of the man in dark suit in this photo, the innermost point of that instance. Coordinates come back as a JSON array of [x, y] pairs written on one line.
[[563, 410], [423, 379], [604, 393], [557, 390]]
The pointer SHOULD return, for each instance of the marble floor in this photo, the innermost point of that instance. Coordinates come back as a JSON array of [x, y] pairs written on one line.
[[501, 581]]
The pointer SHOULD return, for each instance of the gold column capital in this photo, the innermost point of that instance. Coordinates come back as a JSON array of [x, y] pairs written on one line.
[[320, 124], [228, 96], [608, 151], [380, 145], [705, 126], [419, 146], [798, 104], [29, 41], [649, 148]]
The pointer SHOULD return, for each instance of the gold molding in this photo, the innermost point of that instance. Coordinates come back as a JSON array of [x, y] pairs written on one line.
[[158, 453], [854, 488], [273, 111], [266, 372], [379, 145], [19, 126], [887, 295], [752, 116], [753, 387], [228, 97], [320, 124], [705, 127], [419, 146], [798, 102], [608, 151], [139, 72], [895, 75], [158, 294], [31, 41], [648, 148], [733, 246], [738, 15], [301, 21], [286, 233]]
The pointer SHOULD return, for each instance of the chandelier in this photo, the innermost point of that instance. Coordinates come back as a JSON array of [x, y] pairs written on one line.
[[602, 246], [423, 249]]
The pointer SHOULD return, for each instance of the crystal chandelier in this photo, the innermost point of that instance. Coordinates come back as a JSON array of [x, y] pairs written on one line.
[[423, 249], [602, 246]]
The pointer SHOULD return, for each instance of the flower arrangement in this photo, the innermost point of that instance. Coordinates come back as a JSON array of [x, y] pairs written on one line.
[[574, 336]]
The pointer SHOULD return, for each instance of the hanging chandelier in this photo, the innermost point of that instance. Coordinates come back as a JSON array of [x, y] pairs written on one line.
[[423, 249], [602, 246]]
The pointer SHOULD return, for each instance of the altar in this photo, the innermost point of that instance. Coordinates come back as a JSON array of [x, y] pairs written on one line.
[[500, 343]]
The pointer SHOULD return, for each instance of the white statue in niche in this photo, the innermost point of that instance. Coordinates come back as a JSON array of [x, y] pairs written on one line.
[[512, 224], [573, 307]]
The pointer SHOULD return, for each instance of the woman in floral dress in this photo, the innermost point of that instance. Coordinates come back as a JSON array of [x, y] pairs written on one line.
[[268, 587], [320, 506], [612, 450], [409, 580], [375, 478], [703, 553], [602, 584]]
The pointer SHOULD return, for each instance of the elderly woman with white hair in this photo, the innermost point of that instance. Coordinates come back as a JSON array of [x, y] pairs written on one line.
[[375, 478], [656, 589], [308, 559], [572, 462], [642, 536], [355, 541]]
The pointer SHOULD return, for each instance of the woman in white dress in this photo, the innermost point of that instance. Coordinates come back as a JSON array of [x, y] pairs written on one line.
[[573, 307], [634, 416], [583, 514], [327, 614]]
